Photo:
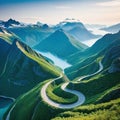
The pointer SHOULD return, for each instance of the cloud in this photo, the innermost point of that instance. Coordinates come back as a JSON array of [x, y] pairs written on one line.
[[111, 3]]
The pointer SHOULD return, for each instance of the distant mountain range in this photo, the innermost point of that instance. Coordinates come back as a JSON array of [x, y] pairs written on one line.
[[77, 30], [10, 23], [74, 28], [113, 28]]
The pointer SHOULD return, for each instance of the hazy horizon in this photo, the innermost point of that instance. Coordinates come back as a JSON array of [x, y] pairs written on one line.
[[105, 12]]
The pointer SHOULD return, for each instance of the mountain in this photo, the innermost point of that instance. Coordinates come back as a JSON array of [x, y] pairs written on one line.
[[77, 30], [97, 47], [102, 93], [94, 26], [114, 28], [32, 34], [61, 44], [82, 34], [7, 35], [107, 48], [21, 67], [104, 42], [25, 70], [10, 23]]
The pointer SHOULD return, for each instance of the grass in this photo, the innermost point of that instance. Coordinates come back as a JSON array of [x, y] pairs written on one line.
[[8, 37], [97, 86], [85, 70], [23, 65], [105, 111], [44, 64], [30, 105], [56, 94], [85, 67]]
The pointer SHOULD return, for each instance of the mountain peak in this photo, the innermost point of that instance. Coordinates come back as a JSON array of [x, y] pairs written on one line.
[[11, 22]]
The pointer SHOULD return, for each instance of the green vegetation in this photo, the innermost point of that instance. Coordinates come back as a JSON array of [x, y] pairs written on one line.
[[30, 105], [22, 68], [44, 64], [87, 66], [98, 86], [56, 94], [104, 111], [88, 69], [102, 91], [76, 43], [7, 36]]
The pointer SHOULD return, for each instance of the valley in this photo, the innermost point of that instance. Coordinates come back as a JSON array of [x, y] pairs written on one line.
[[49, 73], [57, 61]]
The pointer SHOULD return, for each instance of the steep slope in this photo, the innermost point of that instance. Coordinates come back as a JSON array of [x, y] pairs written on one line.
[[104, 42], [22, 68], [60, 44], [8, 36]]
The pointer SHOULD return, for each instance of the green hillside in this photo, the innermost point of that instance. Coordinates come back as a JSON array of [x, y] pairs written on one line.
[[7, 35], [22, 68], [95, 49], [89, 65], [105, 111], [26, 71], [100, 89], [102, 92]]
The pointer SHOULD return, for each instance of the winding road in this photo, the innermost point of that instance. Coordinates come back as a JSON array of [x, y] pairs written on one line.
[[81, 97], [100, 69]]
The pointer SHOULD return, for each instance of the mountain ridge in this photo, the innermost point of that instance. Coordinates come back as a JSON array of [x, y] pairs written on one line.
[[54, 42]]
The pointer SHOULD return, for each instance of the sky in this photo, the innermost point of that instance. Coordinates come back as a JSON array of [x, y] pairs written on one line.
[[106, 12]]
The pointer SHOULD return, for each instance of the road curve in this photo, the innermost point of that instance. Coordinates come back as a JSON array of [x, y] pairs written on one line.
[[99, 70], [81, 97]]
